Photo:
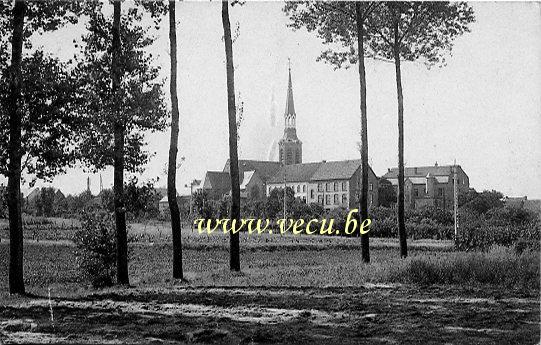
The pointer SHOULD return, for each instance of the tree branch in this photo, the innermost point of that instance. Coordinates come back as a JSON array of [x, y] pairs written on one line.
[[419, 18], [328, 6]]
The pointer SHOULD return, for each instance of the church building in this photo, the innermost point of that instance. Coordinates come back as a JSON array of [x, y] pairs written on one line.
[[331, 184]]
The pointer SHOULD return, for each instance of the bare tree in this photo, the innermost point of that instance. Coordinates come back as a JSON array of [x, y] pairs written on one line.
[[414, 31], [234, 250], [173, 150]]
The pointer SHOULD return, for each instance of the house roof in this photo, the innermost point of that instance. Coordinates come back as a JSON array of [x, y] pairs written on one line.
[[337, 170], [442, 179], [33, 194], [295, 172], [217, 180], [246, 179], [417, 180], [265, 169], [318, 171], [435, 170]]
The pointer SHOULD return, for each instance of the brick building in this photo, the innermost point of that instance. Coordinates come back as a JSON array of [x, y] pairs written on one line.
[[331, 184], [430, 185]]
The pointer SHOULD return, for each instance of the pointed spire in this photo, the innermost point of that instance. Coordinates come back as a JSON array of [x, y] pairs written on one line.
[[290, 106]]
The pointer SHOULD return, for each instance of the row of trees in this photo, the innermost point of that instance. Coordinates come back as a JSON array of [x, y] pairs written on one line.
[[93, 109], [96, 108], [389, 31]]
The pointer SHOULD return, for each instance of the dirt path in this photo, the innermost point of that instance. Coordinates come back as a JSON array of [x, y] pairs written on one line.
[[378, 314]]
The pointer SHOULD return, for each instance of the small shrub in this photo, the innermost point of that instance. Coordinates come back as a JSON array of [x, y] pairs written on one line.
[[429, 230], [474, 238], [339, 215], [385, 227], [499, 266], [96, 248], [430, 214], [381, 213]]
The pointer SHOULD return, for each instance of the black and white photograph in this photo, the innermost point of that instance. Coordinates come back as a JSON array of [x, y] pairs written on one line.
[[270, 172]]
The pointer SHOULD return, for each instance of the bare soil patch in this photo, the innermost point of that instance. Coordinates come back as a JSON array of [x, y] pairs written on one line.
[[387, 314]]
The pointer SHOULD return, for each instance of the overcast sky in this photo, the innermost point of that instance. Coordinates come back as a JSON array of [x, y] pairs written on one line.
[[483, 109]]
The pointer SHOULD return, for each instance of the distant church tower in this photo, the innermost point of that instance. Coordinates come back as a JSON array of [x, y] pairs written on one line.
[[290, 146]]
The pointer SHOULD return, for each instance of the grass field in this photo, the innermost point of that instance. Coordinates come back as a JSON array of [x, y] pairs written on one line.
[[292, 290]]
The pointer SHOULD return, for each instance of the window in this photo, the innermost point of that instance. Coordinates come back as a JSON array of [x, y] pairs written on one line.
[[344, 198], [345, 185], [320, 199], [289, 157], [440, 191], [328, 186], [336, 187], [415, 192], [298, 188], [371, 186], [304, 188], [327, 199], [336, 199], [312, 194], [320, 187]]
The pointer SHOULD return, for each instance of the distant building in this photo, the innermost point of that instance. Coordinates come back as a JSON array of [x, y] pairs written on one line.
[[254, 176], [216, 184], [183, 200], [429, 185], [523, 202], [332, 184], [31, 200]]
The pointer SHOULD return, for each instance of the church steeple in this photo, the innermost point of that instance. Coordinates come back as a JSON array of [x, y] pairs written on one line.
[[290, 117], [290, 105], [290, 145]]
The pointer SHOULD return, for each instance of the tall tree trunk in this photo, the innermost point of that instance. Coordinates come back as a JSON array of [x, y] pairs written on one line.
[[118, 159], [363, 207], [16, 281], [173, 149], [234, 250], [401, 223]]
